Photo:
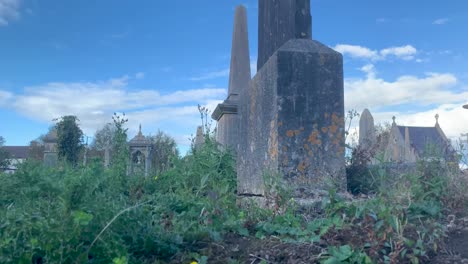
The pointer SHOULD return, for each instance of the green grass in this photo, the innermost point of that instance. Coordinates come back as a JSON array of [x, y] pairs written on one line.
[[73, 215]]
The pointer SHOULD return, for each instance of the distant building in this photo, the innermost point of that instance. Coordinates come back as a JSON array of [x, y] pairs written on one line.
[[140, 154], [409, 144], [18, 154], [50, 148]]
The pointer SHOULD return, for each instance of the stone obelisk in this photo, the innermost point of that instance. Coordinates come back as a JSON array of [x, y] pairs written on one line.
[[227, 113], [292, 114]]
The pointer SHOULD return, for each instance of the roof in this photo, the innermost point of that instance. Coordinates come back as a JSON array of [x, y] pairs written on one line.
[[422, 138], [17, 152], [51, 137], [140, 140]]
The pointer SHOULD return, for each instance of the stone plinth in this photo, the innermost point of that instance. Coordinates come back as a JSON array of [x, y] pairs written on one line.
[[292, 121], [228, 123]]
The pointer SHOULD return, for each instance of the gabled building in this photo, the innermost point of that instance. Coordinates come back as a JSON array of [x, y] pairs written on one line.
[[409, 144], [17, 154]]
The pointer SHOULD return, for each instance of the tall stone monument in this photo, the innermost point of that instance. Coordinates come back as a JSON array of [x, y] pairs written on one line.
[[367, 137], [280, 21], [227, 113], [292, 114]]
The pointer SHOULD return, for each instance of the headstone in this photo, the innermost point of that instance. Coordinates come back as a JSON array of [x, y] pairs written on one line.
[[292, 115], [367, 137], [199, 138], [280, 21], [226, 114]]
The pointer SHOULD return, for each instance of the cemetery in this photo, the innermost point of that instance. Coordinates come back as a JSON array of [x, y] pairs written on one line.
[[274, 181]]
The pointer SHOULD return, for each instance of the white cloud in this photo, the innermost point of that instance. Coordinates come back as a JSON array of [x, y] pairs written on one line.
[[95, 102], [139, 75], [8, 11], [406, 52], [434, 93], [5, 97], [211, 75], [374, 92], [357, 51], [381, 20], [440, 21]]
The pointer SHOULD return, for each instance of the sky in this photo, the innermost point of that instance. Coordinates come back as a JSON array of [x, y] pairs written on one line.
[[157, 60]]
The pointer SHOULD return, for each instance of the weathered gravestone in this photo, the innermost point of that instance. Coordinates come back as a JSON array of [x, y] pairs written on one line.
[[292, 114], [367, 138], [199, 139], [227, 113]]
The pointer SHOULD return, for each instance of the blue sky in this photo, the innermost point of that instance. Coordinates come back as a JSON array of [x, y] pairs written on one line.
[[156, 60]]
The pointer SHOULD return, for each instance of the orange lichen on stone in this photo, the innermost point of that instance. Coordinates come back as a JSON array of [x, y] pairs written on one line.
[[273, 141], [341, 150], [333, 128], [280, 124], [290, 133], [306, 146], [313, 138], [335, 118], [301, 167], [324, 129], [322, 59], [336, 142], [297, 132]]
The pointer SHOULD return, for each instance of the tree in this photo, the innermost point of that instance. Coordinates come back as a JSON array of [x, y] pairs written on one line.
[[69, 139], [104, 138], [4, 155], [164, 150], [103, 142]]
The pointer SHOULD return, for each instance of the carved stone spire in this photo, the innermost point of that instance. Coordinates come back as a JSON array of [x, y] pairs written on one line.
[[239, 76], [280, 21]]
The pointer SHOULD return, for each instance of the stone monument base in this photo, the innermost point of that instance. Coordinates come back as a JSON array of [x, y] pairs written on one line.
[[292, 122]]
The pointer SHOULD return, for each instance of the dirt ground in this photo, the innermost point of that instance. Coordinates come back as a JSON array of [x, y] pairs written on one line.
[[238, 249], [456, 244], [234, 248]]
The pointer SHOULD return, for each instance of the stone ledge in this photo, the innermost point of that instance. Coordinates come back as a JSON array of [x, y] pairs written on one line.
[[224, 108]]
